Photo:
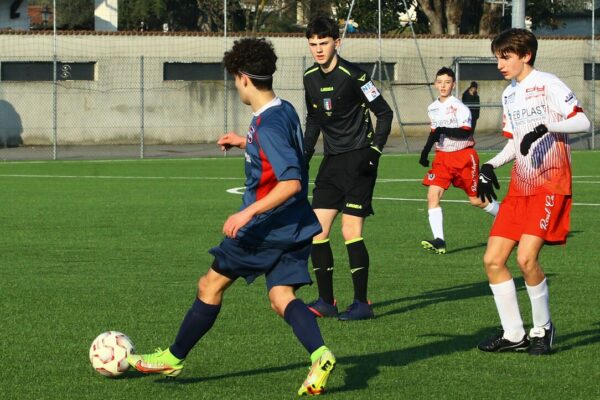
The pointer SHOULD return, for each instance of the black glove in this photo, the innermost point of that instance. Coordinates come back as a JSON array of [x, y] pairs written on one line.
[[433, 137], [424, 160], [486, 183], [531, 137], [371, 159]]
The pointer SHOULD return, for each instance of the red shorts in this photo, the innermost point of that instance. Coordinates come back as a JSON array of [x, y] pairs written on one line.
[[459, 168], [544, 215]]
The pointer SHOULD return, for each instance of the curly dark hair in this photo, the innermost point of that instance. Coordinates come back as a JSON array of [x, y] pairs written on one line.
[[254, 56], [322, 26]]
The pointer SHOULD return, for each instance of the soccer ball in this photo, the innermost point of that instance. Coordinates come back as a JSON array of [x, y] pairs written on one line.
[[109, 351]]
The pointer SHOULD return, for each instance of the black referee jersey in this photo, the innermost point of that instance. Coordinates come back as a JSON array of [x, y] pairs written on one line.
[[338, 104]]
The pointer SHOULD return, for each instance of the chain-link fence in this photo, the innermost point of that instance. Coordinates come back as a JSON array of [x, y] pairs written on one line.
[[69, 95]]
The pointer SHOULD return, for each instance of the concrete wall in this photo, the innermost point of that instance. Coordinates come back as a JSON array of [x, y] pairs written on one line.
[[129, 97]]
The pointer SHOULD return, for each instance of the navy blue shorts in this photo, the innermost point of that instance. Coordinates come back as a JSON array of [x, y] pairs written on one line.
[[281, 267]]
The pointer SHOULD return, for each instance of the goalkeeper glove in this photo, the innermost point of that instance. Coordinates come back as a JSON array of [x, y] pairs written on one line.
[[424, 160], [486, 183], [531, 137], [371, 159]]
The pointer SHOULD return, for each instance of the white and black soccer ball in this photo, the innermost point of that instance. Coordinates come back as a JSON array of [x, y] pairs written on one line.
[[109, 351]]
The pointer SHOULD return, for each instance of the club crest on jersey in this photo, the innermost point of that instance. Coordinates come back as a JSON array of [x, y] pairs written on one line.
[[250, 134], [431, 176], [327, 105], [509, 99]]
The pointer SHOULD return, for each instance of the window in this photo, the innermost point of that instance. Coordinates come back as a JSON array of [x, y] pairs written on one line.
[[32, 71], [587, 71], [386, 66], [193, 71], [477, 69]]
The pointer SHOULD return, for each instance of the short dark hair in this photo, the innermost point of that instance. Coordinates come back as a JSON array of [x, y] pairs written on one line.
[[254, 56], [517, 41], [322, 26], [446, 71]]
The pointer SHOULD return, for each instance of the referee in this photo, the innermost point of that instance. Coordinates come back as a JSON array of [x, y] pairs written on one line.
[[339, 98]]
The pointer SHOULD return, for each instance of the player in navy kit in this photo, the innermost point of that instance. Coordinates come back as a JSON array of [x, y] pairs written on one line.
[[271, 235], [339, 98]]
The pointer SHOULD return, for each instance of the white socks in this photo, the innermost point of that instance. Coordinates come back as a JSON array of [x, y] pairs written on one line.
[[492, 208], [505, 296], [540, 308], [436, 221]]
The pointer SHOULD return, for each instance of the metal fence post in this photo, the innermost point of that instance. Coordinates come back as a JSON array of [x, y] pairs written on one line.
[[141, 106]]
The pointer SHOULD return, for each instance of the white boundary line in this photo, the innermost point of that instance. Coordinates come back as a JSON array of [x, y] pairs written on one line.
[[238, 190]]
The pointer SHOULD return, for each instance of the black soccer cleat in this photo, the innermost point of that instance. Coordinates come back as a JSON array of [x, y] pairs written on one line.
[[541, 340], [498, 343], [437, 245]]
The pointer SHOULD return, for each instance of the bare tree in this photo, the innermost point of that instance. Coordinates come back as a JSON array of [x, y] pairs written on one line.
[[444, 15], [491, 19]]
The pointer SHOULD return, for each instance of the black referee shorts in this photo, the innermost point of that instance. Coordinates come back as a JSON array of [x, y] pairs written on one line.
[[341, 186]]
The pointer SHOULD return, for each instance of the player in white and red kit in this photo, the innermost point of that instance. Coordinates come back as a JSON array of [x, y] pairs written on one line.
[[539, 111], [456, 162]]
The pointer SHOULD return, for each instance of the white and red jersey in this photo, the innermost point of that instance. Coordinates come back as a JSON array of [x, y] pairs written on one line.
[[540, 98], [452, 113]]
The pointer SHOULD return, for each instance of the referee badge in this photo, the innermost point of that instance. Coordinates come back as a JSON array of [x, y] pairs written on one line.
[[327, 104]]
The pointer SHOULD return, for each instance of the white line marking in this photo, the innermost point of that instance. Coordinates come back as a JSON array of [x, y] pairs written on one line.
[[462, 201], [195, 178], [238, 190]]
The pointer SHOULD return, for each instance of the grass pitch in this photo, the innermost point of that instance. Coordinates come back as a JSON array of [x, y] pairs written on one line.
[[94, 246]]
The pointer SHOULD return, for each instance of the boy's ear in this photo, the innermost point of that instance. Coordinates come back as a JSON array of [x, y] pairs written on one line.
[[527, 57], [337, 43]]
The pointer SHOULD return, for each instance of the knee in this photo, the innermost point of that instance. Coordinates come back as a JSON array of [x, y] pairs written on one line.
[[526, 262], [204, 285], [493, 264]]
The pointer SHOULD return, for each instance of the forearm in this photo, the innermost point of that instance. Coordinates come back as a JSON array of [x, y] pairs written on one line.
[[577, 123], [506, 155], [457, 133], [311, 135], [277, 196], [383, 126]]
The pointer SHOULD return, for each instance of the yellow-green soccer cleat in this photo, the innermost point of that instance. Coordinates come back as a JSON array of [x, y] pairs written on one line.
[[319, 374], [161, 362], [437, 245]]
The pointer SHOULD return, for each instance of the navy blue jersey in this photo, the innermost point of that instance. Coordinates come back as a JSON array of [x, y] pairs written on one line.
[[274, 152]]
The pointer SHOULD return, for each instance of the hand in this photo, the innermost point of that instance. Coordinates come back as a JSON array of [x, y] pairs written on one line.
[[486, 183], [371, 159], [235, 222], [531, 137], [231, 139], [424, 160]]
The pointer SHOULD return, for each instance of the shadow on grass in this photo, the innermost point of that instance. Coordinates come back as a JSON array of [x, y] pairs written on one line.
[[455, 293], [475, 246], [360, 369], [583, 338]]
